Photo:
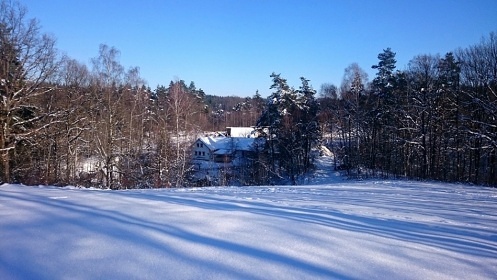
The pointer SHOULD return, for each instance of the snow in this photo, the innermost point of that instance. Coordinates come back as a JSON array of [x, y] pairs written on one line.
[[222, 145], [234, 131], [336, 229]]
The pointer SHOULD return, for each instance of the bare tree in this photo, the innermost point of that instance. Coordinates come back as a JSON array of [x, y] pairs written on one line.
[[182, 108], [107, 78], [354, 80], [423, 73], [479, 86], [28, 59], [352, 91], [74, 105]]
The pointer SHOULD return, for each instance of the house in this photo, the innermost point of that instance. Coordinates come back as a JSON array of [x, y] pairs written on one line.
[[240, 131], [213, 156], [223, 149]]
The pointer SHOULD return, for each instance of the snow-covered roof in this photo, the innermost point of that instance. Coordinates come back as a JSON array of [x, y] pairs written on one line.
[[222, 152], [225, 145], [234, 131]]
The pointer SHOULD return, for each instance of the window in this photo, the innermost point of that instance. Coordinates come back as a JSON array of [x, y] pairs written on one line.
[[203, 153], [195, 152]]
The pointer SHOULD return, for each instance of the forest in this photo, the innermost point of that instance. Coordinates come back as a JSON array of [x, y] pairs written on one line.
[[434, 120]]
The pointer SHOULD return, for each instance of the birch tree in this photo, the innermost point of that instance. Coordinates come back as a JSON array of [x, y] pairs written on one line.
[[107, 77]]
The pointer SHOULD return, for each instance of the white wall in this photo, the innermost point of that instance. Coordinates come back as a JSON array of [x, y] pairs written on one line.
[[200, 151]]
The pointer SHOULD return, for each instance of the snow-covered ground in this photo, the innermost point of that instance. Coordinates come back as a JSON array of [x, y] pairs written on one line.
[[341, 229]]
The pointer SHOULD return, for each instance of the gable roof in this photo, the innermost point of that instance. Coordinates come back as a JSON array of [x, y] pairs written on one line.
[[226, 145]]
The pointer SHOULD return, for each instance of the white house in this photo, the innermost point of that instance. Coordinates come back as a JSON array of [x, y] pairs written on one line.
[[224, 149], [211, 155]]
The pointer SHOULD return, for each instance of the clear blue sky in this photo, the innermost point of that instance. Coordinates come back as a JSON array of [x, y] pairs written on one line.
[[230, 47]]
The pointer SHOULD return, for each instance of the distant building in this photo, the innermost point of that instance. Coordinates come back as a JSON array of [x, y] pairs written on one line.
[[213, 156], [240, 132]]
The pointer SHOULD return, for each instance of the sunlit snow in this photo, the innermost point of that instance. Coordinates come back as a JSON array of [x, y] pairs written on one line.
[[335, 230]]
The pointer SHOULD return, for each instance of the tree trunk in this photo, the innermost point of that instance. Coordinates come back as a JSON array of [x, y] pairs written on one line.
[[6, 166]]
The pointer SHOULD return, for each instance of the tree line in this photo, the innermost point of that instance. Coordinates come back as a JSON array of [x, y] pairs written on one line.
[[437, 119], [64, 122]]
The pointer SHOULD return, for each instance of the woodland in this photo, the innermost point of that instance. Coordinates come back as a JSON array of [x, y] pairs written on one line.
[[434, 120]]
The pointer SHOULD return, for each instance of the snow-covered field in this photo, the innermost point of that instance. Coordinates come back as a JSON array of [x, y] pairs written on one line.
[[342, 230]]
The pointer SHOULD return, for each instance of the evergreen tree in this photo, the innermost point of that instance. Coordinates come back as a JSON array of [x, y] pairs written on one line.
[[384, 80], [380, 111], [271, 119], [258, 101], [291, 118], [309, 126]]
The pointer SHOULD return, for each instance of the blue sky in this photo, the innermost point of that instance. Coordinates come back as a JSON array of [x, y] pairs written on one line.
[[230, 47]]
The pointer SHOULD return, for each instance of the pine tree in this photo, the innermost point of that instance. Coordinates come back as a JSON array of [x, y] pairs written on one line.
[[291, 118], [380, 111], [309, 127], [384, 80], [270, 118]]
